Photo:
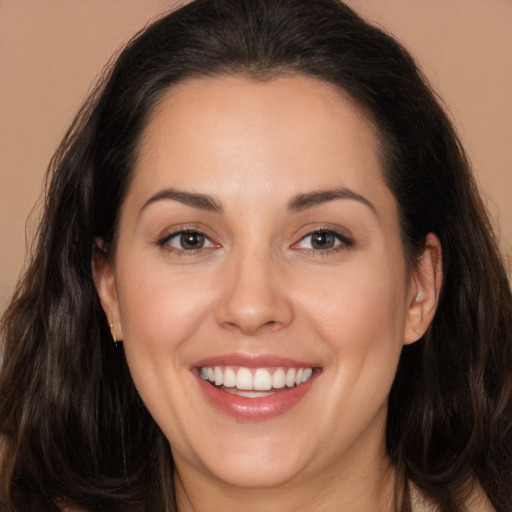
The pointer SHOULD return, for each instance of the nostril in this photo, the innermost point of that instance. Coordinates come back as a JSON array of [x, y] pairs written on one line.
[[252, 300], [251, 328]]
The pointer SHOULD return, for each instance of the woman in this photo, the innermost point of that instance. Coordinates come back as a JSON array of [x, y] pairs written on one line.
[[264, 280]]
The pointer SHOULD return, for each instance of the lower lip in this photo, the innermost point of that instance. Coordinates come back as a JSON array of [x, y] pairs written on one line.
[[254, 409]]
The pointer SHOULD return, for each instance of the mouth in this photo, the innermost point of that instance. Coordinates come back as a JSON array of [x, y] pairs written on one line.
[[254, 388], [254, 382]]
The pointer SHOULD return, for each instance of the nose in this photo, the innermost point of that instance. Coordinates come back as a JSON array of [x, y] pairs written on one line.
[[254, 297]]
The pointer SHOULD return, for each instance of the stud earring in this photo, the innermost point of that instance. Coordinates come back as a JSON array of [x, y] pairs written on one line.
[[116, 343]]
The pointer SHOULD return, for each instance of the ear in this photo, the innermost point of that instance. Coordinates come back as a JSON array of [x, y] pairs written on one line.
[[105, 281], [426, 280]]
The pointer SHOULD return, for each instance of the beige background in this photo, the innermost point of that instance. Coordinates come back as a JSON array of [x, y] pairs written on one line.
[[52, 50]]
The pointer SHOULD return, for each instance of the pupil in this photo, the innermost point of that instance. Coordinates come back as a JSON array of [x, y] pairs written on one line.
[[322, 240], [191, 240]]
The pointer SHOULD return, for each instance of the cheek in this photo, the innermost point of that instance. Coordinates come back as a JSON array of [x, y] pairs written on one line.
[[160, 313], [359, 311], [157, 304]]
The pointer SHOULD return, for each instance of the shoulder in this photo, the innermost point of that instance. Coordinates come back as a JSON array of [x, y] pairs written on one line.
[[477, 501]]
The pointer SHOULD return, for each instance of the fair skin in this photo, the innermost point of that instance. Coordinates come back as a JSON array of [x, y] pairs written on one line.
[[292, 259]]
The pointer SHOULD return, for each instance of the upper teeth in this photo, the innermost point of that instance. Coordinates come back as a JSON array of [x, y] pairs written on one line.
[[258, 379]]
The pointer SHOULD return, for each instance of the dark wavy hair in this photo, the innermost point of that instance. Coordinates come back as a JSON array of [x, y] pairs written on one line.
[[73, 429]]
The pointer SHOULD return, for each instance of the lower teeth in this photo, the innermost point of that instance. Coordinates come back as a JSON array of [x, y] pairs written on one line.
[[248, 394]]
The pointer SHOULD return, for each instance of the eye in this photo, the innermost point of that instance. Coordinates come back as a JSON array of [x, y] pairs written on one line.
[[324, 240], [186, 240]]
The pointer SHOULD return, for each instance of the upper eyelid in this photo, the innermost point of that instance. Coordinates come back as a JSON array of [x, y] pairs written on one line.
[[342, 235], [338, 232], [175, 231], [164, 242], [322, 230], [344, 241]]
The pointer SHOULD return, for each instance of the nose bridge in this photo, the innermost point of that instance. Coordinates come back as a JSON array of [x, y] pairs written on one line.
[[254, 297]]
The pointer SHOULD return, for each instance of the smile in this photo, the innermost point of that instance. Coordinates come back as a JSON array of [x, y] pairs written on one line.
[[242, 381], [254, 388]]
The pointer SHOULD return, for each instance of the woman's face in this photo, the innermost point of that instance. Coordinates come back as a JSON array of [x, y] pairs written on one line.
[[258, 248]]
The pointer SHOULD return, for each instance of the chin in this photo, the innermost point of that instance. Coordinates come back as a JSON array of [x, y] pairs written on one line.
[[256, 474]]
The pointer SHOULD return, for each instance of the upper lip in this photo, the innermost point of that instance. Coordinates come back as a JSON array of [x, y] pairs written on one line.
[[252, 361]]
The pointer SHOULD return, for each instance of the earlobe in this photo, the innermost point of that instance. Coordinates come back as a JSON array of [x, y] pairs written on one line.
[[425, 287], [104, 279]]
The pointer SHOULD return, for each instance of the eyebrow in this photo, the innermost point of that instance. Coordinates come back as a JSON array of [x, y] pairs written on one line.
[[297, 203], [193, 199], [311, 199]]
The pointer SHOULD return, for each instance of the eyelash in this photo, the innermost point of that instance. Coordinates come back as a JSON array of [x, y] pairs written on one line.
[[343, 242], [164, 242]]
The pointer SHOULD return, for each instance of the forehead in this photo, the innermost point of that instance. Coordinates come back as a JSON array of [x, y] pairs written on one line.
[[287, 133]]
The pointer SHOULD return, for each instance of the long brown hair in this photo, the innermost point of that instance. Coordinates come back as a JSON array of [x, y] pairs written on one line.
[[73, 428]]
